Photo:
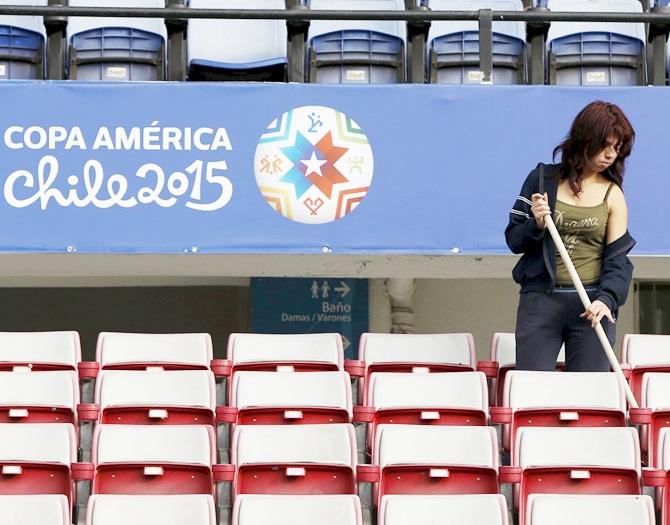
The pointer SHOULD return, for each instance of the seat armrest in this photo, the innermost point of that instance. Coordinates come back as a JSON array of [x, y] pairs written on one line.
[[88, 369]]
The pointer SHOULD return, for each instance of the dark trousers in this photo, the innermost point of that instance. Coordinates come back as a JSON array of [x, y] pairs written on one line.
[[545, 321]]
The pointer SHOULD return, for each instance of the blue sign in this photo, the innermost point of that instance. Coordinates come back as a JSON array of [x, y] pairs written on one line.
[[295, 168], [311, 305]]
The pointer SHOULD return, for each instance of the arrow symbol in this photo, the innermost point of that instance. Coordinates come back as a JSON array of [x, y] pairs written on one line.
[[344, 289], [345, 342]]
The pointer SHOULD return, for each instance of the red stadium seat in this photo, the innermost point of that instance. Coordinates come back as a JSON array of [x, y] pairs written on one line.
[[642, 353]]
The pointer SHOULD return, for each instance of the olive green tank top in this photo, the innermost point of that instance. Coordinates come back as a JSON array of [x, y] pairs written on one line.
[[584, 231]]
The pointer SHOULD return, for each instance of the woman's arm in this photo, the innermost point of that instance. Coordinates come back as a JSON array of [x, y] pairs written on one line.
[[617, 223]]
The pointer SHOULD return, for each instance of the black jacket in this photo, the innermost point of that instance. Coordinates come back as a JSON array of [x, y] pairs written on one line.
[[536, 269]]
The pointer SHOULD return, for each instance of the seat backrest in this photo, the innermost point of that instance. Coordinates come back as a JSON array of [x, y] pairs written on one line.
[[390, 27], [181, 388], [617, 447], [435, 445], [77, 24], [252, 509], [174, 444], [438, 390], [418, 348], [191, 509], [117, 349], [292, 389], [473, 509], [51, 509], [39, 389], [59, 349], [655, 391], [526, 390], [503, 349], [559, 29], [557, 509], [663, 449], [236, 41], [439, 27], [38, 443], [646, 349], [316, 444], [247, 349]]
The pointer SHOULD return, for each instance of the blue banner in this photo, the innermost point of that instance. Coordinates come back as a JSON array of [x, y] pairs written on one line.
[[275, 168], [307, 306]]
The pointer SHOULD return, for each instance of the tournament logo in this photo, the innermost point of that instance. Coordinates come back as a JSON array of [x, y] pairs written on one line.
[[313, 164]]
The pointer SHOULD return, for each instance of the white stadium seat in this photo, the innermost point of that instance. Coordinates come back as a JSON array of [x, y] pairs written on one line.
[[558, 509], [191, 509], [475, 509], [252, 509]]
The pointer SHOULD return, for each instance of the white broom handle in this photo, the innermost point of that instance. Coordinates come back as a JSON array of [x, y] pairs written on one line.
[[600, 331]]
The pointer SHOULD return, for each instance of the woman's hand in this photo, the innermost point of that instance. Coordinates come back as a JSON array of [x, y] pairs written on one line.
[[540, 208], [596, 312]]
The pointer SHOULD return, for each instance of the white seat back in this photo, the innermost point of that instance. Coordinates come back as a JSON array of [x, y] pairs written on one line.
[[48, 509], [176, 444], [440, 28], [57, 348], [663, 450], [236, 41], [42, 389], [326, 444], [294, 348], [655, 392], [558, 509], [577, 446], [526, 390], [190, 509], [418, 348], [473, 509], [292, 389], [559, 29], [77, 24], [115, 348], [38, 443], [646, 349], [181, 388], [503, 349], [390, 27], [251, 509], [437, 390], [435, 445]]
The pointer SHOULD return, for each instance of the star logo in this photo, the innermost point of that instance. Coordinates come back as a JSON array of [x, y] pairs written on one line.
[[313, 164]]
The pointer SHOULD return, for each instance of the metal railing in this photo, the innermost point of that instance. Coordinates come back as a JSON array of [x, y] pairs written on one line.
[[298, 17]]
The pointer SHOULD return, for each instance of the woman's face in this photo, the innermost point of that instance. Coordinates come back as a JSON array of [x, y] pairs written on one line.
[[605, 157]]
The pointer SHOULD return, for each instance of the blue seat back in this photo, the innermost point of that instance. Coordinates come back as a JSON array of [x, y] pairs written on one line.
[[454, 59], [596, 59], [21, 53], [356, 57], [117, 54]]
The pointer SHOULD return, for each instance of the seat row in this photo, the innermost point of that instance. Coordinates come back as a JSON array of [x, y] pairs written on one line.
[[341, 52]]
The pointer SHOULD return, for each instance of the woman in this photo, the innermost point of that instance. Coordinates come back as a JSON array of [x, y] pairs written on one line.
[[589, 209]]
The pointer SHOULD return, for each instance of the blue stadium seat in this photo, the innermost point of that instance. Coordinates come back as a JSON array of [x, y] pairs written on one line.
[[453, 46], [22, 44], [601, 54], [354, 51], [116, 49], [596, 59], [253, 50]]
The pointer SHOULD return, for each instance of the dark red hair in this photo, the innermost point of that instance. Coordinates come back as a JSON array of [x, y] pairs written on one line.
[[589, 134]]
